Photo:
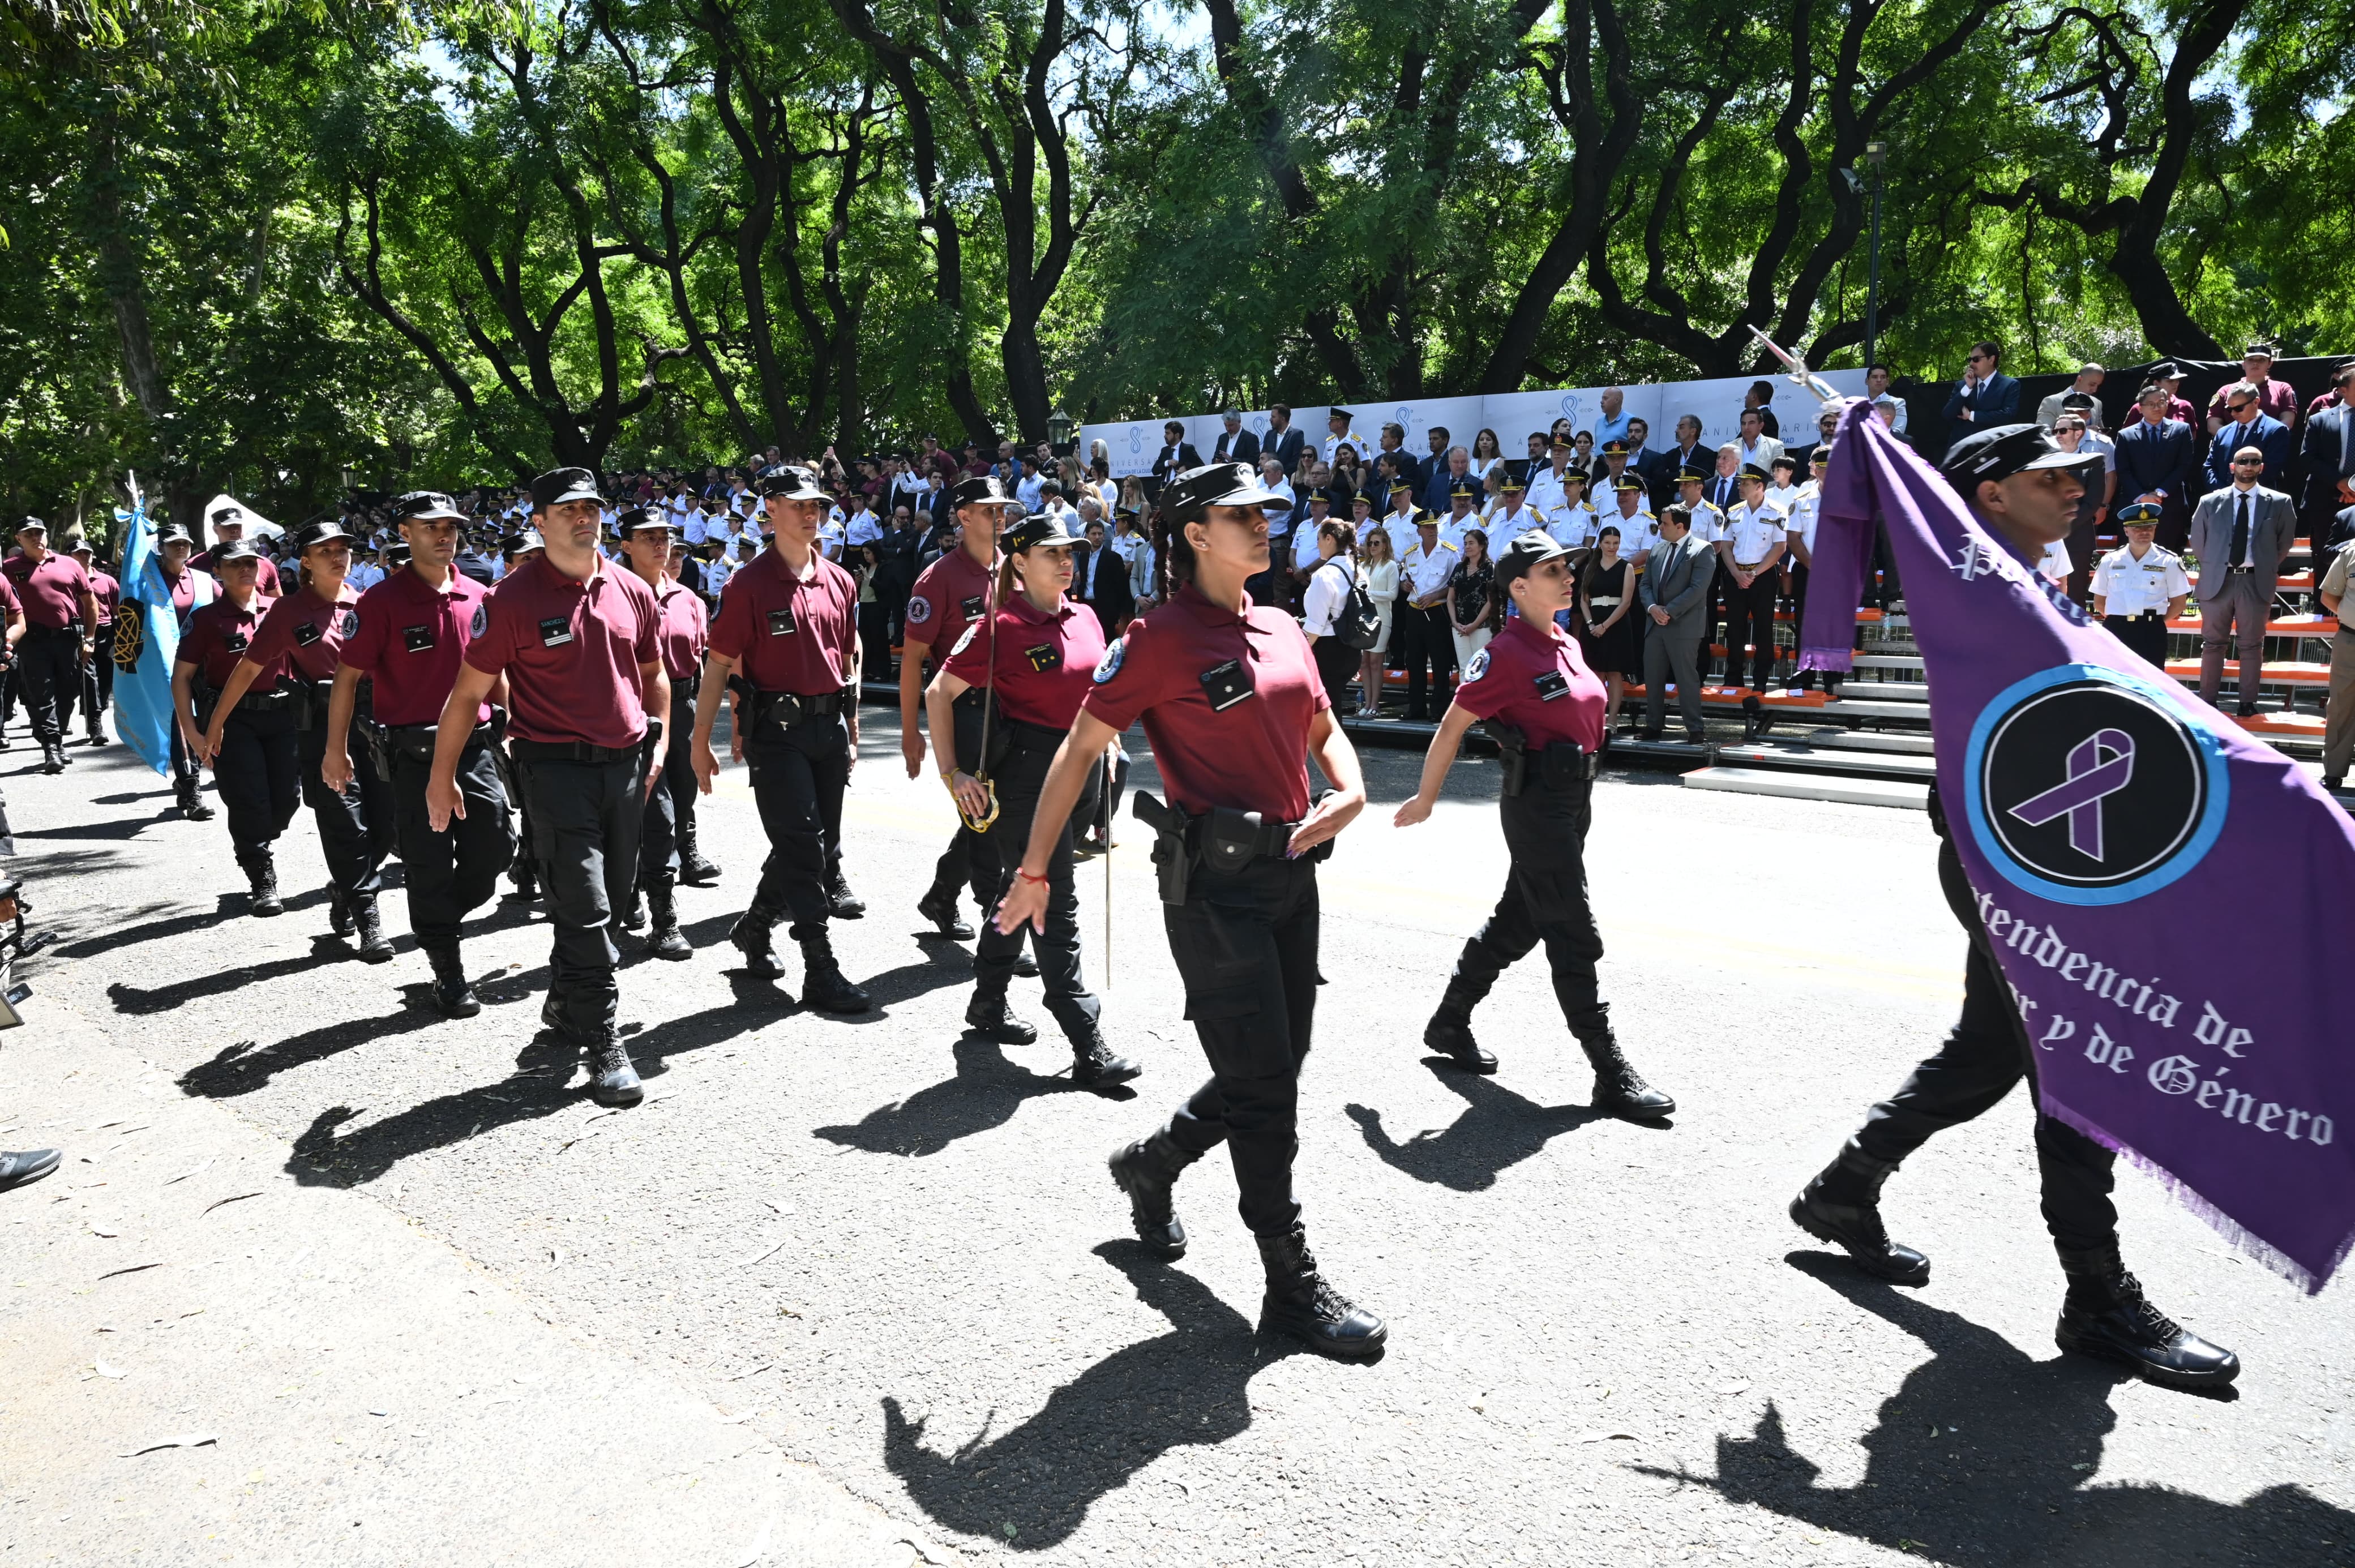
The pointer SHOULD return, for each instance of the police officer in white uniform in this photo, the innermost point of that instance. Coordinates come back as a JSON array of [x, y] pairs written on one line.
[[2139, 587], [1750, 554]]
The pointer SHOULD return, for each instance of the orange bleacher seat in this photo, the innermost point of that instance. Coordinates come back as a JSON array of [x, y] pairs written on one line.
[[2273, 674]]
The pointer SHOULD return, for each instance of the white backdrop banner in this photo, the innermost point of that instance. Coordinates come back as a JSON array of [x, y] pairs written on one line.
[[1514, 416]]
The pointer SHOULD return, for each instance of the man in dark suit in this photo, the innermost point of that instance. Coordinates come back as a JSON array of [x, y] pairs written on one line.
[[1283, 441], [2250, 426], [1235, 445], [2158, 460], [1100, 581], [1986, 397], [1685, 453], [1177, 454], [2330, 457]]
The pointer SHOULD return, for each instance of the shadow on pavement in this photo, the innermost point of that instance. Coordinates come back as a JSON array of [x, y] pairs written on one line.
[[242, 1067], [1498, 1130], [1982, 1457], [985, 1093], [1031, 1486]]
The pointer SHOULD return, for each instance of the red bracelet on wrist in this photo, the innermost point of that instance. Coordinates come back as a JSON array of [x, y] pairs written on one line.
[[1027, 877]]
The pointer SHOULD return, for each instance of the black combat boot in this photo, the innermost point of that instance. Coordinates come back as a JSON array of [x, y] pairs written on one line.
[[841, 903], [1146, 1171], [526, 878], [369, 926], [1619, 1089], [192, 801], [53, 757], [750, 934], [824, 985], [339, 912], [96, 732], [988, 1014], [1300, 1303], [261, 876], [943, 912], [665, 939], [693, 869], [634, 917], [1750, 714], [612, 1080], [1842, 1206], [2106, 1314], [1449, 1033], [450, 993], [1095, 1065]]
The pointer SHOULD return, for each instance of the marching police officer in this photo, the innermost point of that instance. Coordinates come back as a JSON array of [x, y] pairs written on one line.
[[576, 640], [227, 522], [249, 740], [1230, 699], [98, 670], [408, 645], [1545, 708], [188, 589], [302, 636], [650, 537], [60, 613], [949, 596], [1036, 657], [2139, 587], [515, 549], [788, 626], [2024, 490]]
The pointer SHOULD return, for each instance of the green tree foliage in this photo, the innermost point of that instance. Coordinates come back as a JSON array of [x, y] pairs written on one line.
[[285, 249]]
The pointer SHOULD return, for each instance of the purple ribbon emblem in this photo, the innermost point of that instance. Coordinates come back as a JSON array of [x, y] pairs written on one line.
[[2089, 780]]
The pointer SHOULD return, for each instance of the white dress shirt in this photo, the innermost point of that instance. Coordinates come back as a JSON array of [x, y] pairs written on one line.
[[2128, 584], [1755, 531]]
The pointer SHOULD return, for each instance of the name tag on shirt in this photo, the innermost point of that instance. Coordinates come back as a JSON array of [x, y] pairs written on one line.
[[1551, 685], [973, 606], [1226, 685], [1044, 657], [780, 622], [555, 632], [236, 642], [306, 634], [417, 639]]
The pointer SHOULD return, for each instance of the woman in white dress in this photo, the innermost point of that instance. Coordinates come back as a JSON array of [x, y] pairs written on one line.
[[1378, 574], [1486, 454]]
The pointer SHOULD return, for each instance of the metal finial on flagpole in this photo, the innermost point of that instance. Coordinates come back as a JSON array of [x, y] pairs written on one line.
[[1806, 378]]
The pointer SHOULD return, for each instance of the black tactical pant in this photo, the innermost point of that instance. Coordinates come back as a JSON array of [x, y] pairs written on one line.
[[972, 860], [1245, 944], [585, 821], [1752, 622], [1985, 1054], [1544, 900], [450, 874], [258, 776], [798, 778], [670, 805], [1430, 644], [48, 673], [1019, 778], [356, 829], [98, 681]]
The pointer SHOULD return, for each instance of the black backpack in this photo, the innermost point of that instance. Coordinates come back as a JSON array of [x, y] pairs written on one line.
[[1359, 623]]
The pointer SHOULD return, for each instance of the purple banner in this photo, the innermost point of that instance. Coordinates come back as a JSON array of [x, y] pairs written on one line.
[[2166, 894]]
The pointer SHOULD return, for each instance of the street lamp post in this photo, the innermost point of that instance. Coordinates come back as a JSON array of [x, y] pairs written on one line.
[[1059, 426], [1876, 154]]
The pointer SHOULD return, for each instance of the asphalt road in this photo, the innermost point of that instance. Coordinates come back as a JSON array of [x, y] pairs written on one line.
[[898, 1247]]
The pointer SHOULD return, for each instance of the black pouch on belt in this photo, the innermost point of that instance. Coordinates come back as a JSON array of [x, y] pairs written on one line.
[[1565, 766], [1231, 839], [1513, 750], [1173, 850]]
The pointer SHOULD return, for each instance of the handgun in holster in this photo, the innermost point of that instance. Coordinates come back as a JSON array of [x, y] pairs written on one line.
[[379, 755], [1173, 843], [503, 765], [1513, 750]]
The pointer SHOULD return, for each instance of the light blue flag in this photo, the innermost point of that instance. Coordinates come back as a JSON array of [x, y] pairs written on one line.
[[143, 693]]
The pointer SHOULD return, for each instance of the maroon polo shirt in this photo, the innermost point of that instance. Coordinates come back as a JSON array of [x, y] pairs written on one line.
[[789, 633], [184, 594], [109, 594], [50, 593], [570, 651], [410, 640], [952, 591], [683, 629], [219, 634], [1532, 677], [307, 632], [1044, 663], [265, 582], [10, 605], [1248, 752]]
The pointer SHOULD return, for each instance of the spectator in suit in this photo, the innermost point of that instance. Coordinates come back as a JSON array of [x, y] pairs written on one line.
[[1448, 470], [1986, 397], [1803, 458], [1177, 454], [1878, 380], [2276, 399], [1394, 446], [1685, 453], [2242, 534], [1674, 593], [2248, 426], [1759, 449], [2089, 382], [2167, 378], [1760, 398], [2157, 460], [1436, 463], [2092, 506], [1285, 443], [1100, 581], [1235, 445], [2330, 454]]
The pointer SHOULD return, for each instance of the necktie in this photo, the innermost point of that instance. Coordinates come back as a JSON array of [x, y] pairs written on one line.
[[2241, 530]]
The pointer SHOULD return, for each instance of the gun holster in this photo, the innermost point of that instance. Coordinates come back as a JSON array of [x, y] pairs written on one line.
[[1513, 750], [1173, 843]]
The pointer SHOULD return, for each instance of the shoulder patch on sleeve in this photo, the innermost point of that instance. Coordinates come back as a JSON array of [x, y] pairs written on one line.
[[482, 621], [919, 609], [1476, 666], [1109, 665], [351, 624]]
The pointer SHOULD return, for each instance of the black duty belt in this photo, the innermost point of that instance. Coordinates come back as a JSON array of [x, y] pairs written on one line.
[[787, 708], [275, 701], [1031, 737], [70, 629], [571, 752], [416, 741], [688, 684]]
